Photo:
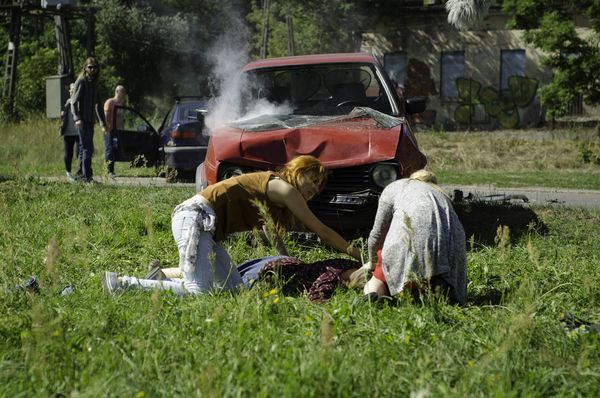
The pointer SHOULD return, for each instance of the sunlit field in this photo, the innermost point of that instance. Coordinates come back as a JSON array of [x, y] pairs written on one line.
[[507, 341]]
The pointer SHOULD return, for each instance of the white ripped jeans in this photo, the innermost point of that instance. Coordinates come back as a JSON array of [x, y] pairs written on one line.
[[213, 268]]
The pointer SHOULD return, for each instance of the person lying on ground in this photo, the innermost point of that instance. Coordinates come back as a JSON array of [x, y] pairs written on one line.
[[420, 241], [202, 222], [318, 279]]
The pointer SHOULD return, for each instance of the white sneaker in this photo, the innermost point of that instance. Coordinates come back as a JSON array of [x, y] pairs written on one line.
[[111, 283], [70, 177]]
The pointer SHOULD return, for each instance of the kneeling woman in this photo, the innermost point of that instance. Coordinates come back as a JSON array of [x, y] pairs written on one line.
[[417, 241], [200, 223]]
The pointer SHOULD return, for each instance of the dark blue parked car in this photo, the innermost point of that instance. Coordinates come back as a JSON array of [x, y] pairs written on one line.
[[184, 138], [179, 144]]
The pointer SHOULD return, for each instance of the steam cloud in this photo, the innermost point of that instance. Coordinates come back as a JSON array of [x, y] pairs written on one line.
[[229, 84]]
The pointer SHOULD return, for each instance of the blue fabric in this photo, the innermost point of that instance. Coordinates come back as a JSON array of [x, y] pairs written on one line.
[[249, 269], [109, 157], [86, 149]]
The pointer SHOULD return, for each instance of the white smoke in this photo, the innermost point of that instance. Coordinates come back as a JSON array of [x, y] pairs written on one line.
[[228, 60], [463, 14], [229, 84], [264, 107]]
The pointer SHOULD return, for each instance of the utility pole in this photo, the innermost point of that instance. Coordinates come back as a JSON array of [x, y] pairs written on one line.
[[265, 36], [63, 43], [290, 28], [91, 32], [61, 11]]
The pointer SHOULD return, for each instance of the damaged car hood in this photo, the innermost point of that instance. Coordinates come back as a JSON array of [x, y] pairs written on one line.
[[364, 136]]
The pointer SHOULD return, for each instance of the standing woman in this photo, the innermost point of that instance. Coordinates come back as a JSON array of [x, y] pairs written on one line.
[[417, 241], [202, 222], [86, 106], [70, 135]]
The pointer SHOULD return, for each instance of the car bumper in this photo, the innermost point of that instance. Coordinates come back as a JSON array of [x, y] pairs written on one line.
[[184, 157]]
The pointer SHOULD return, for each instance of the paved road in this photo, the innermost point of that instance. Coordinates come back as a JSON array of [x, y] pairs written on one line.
[[531, 195]]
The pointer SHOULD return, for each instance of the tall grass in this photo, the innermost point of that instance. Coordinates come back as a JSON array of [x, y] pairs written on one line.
[[35, 148], [513, 158], [507, 341]]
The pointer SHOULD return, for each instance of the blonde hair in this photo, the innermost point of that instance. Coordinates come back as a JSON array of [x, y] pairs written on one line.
[[424, 176], [304, 165], [429, 178]]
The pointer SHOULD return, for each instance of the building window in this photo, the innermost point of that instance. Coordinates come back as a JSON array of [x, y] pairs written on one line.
[[512, 63], [453, 67], [395, 66]]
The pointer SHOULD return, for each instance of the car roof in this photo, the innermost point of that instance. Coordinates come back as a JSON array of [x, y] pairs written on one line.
[[311, 59]]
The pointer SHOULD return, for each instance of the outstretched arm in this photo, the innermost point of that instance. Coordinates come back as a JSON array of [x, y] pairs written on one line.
[[282, 193]]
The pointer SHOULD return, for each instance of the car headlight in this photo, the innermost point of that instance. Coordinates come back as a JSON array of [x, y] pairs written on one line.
[[384, 174], [230, 171]]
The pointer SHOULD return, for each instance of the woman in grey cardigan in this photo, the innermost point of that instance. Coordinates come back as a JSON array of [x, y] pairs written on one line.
[[420, 240]]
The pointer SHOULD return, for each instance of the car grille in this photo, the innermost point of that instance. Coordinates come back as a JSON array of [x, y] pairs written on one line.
[[350, 179], [347, 190]]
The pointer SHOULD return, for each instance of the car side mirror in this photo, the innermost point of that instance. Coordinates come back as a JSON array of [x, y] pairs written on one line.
[[414, 105]]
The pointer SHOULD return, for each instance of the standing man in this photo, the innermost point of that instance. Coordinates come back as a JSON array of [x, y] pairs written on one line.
[[85, 105], [114, 119]]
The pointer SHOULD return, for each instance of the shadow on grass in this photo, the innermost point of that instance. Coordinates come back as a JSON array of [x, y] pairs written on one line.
[[481, 221]]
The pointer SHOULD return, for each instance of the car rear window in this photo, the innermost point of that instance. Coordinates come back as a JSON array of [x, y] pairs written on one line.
[[188, 110]]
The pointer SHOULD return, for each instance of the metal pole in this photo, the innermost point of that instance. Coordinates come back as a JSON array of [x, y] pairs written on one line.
[[290, 27], [91, 32], [63, 43], [265, 35]]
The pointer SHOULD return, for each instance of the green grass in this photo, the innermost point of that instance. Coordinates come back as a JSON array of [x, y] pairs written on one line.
[[572, 179], [507, 342], [546, 158], [34, 148]]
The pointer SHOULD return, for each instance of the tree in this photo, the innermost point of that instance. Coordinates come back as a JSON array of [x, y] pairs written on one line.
[[550, 26], [319, 26], [162, 49]]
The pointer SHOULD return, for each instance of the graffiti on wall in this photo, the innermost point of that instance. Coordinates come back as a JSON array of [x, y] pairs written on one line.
[[478, 104]]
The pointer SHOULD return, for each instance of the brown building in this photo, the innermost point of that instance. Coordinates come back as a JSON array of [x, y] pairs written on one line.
[[484, 78]]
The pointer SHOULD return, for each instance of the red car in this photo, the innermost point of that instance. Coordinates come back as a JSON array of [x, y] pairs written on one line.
[[341, 108]]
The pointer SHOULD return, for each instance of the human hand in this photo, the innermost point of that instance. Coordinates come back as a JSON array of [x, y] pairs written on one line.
[[78, 123], [358, 277]]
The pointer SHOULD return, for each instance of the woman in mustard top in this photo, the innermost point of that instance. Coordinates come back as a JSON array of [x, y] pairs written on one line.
[[202, 222]]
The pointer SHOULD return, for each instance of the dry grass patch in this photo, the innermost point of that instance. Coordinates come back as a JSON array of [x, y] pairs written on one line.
[[510, 151]]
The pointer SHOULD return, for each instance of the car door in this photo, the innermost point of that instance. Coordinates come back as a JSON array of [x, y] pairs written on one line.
[[134, 139]]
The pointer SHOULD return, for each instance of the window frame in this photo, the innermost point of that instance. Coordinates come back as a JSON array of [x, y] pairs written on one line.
[[444, 87]]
